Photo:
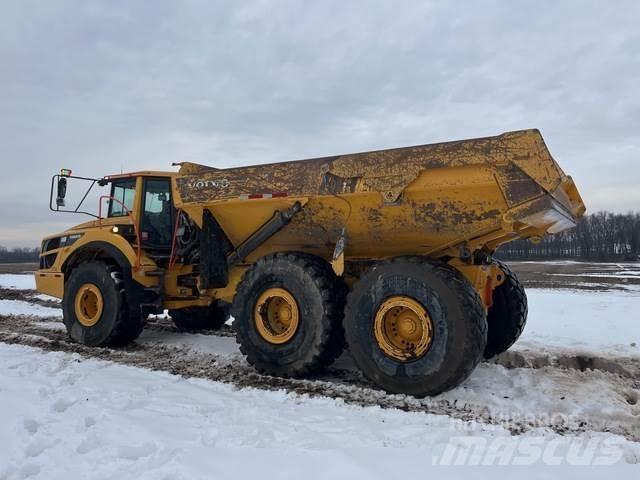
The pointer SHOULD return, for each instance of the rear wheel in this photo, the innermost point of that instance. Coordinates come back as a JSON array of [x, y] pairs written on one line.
[[508, 314], [200, 318], [95, 309], [288, 314], [415, 326]]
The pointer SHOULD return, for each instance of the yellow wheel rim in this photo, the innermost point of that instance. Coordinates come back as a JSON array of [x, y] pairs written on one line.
[[403, 328], [276, 315], [88, 304]]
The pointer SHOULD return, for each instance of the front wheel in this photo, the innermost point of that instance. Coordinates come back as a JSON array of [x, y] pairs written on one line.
[[95, 309], [415, 326]]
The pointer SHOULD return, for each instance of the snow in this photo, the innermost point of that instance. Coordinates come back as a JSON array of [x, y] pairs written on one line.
[[597, 321], [590, 264], [552, 262], [539, 392], [621, 274], [64, 416], [94, 419], [19, 307], [50, 325], [224, 346], [49, 298], [18, 281]]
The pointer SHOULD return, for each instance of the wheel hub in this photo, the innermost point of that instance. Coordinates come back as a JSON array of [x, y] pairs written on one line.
[[403, 328], [88, 304], [276, 315]]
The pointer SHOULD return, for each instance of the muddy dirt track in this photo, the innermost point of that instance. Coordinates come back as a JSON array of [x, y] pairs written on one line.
[[578, 275], [18, 267]]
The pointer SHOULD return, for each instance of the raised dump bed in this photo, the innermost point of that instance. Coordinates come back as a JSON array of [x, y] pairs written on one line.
[[420, 200]]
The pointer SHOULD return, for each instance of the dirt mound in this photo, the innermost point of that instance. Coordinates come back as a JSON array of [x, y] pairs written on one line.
[[27, 296], [622, 366]]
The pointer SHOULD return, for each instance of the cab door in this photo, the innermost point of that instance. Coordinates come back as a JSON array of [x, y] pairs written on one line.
[[158, 214]]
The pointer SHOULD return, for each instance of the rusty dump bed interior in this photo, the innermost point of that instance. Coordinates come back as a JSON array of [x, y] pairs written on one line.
[[427, 199]]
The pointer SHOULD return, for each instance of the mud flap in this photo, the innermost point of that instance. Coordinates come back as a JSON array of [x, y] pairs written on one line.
[[214, 248]]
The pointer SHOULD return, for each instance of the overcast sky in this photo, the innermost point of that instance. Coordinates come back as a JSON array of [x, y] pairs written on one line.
[[104, 86]]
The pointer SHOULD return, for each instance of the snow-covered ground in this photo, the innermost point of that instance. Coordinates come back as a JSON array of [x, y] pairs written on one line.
[[20, 307], [18, 281], [220, 346], [67, 417], [598, 321]]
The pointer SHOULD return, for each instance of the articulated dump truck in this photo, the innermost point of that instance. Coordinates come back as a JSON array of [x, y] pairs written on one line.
[[388, 254]]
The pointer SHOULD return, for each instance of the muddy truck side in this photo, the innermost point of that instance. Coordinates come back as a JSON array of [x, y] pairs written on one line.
[[387, 253]]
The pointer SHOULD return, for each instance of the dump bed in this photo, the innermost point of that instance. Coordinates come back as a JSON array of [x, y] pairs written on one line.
[[423, 199]]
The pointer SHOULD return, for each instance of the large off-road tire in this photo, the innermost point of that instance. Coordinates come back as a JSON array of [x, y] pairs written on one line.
[[95, 308], [200, 318], [288, 314], [508, 314], [428, 297]]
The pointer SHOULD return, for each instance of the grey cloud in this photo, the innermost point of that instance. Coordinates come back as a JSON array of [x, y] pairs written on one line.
[[100, 86]]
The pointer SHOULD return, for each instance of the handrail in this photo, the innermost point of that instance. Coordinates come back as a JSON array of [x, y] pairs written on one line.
[[131, 219]]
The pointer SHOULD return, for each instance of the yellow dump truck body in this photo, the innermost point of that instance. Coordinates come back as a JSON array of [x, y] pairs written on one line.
[[412, 287], [429, 199]]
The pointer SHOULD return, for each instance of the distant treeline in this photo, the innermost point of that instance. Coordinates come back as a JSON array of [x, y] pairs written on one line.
[[18, 255], [600, 236]]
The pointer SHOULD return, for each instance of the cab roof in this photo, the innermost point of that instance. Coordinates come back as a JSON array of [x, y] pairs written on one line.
[[142, 173]]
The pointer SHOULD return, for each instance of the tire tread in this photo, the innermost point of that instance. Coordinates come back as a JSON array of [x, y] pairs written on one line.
[[470, 302], [330, 344], [505, 330]]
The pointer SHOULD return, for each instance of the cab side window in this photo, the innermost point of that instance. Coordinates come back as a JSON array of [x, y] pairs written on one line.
[[124, 193]]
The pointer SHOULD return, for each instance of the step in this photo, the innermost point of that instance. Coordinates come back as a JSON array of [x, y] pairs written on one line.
[[155, 273]]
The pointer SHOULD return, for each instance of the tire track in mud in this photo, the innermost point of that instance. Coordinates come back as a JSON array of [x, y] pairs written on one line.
[[27, 296], [166, 325], [626, 367], [343, 384], [584, 362]]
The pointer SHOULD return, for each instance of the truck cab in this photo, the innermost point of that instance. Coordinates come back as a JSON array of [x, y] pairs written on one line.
[[146, 199], [133, 227]]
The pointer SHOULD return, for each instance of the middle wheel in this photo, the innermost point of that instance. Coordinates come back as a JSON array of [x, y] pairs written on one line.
[[200, 318], [288, 313]]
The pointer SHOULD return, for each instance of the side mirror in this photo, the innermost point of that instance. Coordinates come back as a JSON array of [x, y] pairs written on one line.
[[62, 191]]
